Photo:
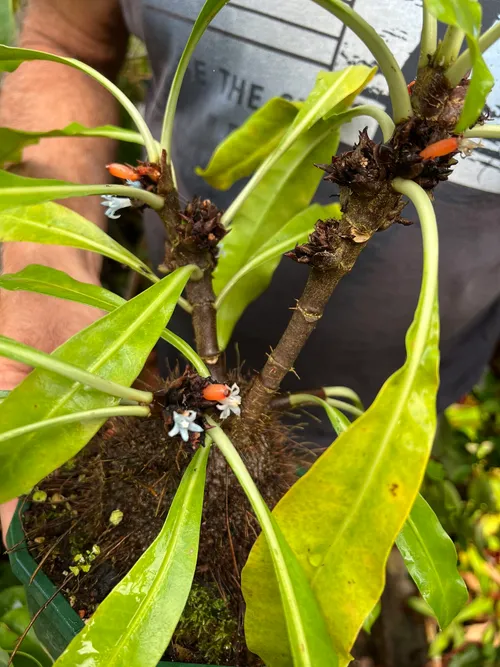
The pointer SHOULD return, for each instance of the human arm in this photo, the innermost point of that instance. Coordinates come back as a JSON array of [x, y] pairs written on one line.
[[42, 96]]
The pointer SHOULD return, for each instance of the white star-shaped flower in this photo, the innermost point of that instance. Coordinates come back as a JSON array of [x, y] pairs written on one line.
[[183, 423], [230, 404], [114, 204]]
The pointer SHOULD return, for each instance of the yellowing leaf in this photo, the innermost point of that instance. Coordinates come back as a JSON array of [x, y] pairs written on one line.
[[342, 517]]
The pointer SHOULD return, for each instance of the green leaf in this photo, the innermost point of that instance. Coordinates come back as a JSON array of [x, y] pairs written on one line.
[[115, 348], [431, 559], [467, 15], [11, 58], [284, 192], [255, 275], [242, 151], [4, 658], [12, 597], [134, 624], [372, 617], [13, 141], [305, 632], [16, 190], [58, 225], [332, 91], [339, 422], [12, 626], [45, 280], [7, 22], [331, 516], [208, 12]]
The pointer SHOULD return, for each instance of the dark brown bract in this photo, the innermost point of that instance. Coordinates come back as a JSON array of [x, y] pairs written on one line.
[[202, 229]]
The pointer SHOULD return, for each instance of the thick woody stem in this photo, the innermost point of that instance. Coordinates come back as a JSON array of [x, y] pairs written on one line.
[[201, 296], [368, 205], [309, 310], [199, 291]]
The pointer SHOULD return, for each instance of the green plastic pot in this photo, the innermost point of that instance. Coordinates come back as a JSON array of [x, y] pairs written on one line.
[[58, 623]]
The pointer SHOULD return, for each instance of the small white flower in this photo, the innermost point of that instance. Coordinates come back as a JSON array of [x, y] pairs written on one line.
[[114, 204], [183, 423], [231, 403]]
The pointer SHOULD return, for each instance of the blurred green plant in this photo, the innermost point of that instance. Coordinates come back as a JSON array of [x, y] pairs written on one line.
[[462, 484], [14, 620]]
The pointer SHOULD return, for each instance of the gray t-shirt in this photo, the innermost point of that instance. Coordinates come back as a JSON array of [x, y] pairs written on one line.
[[257, 49]]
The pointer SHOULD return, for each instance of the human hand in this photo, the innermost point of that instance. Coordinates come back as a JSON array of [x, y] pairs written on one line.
[[43, 322]]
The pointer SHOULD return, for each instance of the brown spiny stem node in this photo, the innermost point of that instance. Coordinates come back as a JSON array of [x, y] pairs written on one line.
[[192, 237], [184, 392], [196, 235]]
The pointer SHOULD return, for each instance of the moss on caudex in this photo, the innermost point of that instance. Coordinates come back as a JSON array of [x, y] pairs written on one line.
[[206, 624]]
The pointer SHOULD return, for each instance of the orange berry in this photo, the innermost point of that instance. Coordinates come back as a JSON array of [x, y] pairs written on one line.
[[440, 148], [122, 171], [216, 392]]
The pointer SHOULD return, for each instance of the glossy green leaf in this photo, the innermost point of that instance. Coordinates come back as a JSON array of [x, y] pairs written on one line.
[[332, 91], [339, 422], [45, 280], [7, 22], [12, 597], [12, 626], [134, 624], [242, 151], [13, 141], [331, 517], [58, 225], [31, 357], [431, 559], [257, 272], [467, 15], [207, 13], [307, 643], [4, 658], [115, 348], [286, 190], [21, 190], [12, 57]]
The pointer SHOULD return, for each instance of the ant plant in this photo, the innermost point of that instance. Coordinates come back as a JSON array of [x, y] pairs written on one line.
[[316, 570]]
